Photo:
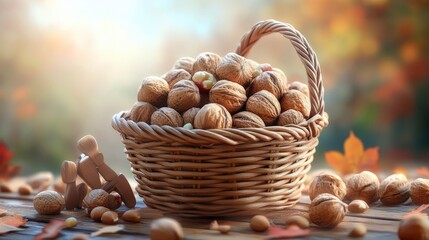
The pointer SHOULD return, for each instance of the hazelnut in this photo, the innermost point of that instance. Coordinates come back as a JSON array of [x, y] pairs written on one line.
[[142, 111], [206, 61], [114, 201], [274, 81], [236, 68], [358, 230], [175, 75], [358, 206], [211, 116], [299, 221], [259, 223], [290, 116], [183, 96], [247, 119], [326, 210], [184, 63], [189, 115], [166, 116], [265, 105], [415, 227], [204, 81], [394, 189], [25, 190], [302, 87], [97, 212], [294, 99], [327, 183], [109, 217], [48, 203], [5, 187], [133, 216], [231, 95], [166, 229], [419, 191], [363, 186], [95, 198], [153, 90]]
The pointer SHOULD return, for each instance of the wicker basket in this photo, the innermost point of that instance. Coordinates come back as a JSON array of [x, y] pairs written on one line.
[[223, 172]]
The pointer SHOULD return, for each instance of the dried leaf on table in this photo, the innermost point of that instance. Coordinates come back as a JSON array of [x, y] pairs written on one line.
[[418, 210], [14, 220], [109, 229], [52, 230], [7, 228], [355, 157], [6, 171], [3, 211], [292, 231]]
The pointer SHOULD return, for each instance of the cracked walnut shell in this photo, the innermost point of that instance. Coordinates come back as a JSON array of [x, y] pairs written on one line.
[[206, 61], [153, 90], [394, 189], [175, 75], [238, 69], [327, 183], [326, 210], [212, 116], [274, 81], [229, 94], [294, 99], [183, 96], [419, 191], [166, 116], [247, 119], [363, 186], [265, 105], [142, 111]]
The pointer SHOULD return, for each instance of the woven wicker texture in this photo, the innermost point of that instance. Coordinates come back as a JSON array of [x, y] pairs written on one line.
[[221, 172]]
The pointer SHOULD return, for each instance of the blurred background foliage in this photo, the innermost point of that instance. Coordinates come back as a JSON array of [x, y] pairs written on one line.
[[66, 67]]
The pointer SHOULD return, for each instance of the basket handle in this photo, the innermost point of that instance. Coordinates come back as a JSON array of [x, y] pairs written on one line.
[[305, 53]]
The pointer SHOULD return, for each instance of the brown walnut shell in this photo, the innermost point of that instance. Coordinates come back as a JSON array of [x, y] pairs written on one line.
[[184, 63], [290, 116], [175, 75], [419, 191], [327, 183], [142, 111], [394, 189], [212, 116], [274, 81], [229, 94], [326, 210], [183, 96], [265, 105], [206, 61], [415, 227], [153, 90], [189, 115], [247, 119], [294, 99], [236, 68], [302, 87], [166, 116], [363, 186]]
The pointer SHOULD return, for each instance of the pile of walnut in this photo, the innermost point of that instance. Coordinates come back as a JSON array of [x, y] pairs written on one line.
[[327, 192], [213, 92]]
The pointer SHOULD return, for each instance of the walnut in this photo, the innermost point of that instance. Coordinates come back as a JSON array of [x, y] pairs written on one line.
[[419, 191], [394, 189], [247, 119], [211, 116], [184, 63], [142, 111], [302, 87], [274, 81], [48, 203], [189, 115], [175, 75], [327, 183], [290, 116], [229, 94], [294, 99], [204, 80], [326, 210], [236, 68], [363, 186], [206, 61], [183, 96], [166, 116], [265, 105], [415, 227], [95, 198], [153, 90]]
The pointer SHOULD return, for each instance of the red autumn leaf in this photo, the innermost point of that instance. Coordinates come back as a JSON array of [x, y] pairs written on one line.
[[52, 230], [6, 171], [14, 220], [292, 231], [422, 172], [355, 157], [418, 210]]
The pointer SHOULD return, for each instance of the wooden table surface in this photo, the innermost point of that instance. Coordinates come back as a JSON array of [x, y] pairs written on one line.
[[381, 221]]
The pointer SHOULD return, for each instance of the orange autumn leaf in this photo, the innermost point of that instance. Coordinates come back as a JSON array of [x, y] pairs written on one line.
[[14, 220], [355, 157]]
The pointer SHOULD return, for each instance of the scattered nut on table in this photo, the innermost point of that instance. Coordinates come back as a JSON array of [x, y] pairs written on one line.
[[299, 221], [419, 191], [48, 203], [95, 198], [327, 183], [166, 229], [326, 210], [358, 206], [25, 190], [109, 217], [259, 223], [132, 215], [363, 186], [97, 212], [358, 230], [70, 222], [394, 189], [415, 227]]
